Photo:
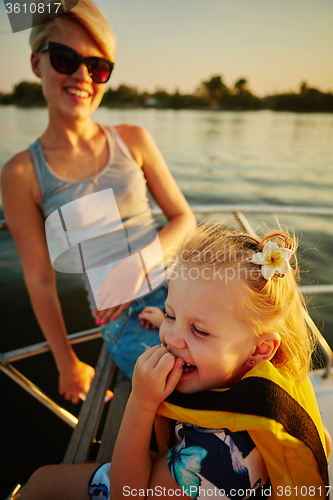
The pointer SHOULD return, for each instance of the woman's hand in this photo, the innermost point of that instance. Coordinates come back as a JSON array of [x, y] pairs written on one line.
[[151, 317], [111, 314], [27, 226], [119, 288], [75, 380], [156, 374]]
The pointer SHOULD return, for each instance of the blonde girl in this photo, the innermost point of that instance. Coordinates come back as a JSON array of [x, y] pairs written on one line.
[[225, 401]]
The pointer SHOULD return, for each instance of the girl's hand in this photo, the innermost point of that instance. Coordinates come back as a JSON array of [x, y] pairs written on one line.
[[151, 317], [118, 290], [156, 374]]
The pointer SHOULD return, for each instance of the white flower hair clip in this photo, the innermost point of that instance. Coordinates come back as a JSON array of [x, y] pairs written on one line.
[[273, 259]]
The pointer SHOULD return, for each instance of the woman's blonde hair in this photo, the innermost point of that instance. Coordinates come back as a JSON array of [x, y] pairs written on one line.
[[270, 305], [87, 14]]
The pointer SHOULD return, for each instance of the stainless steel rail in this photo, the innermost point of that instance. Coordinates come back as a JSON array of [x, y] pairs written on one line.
[[238, 212], [32, 350], [38, 394], [30, 387], [281, 209], [234, 208]]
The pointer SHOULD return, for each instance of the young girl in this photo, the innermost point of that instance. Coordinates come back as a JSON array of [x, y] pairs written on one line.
[[225, 401]]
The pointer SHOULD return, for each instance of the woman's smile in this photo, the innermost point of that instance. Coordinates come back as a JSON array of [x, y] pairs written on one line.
[[81, 93]]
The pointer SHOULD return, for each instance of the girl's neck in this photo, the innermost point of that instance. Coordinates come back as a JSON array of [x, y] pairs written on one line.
[[68, 134]]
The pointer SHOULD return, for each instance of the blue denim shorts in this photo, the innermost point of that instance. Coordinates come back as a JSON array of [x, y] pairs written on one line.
[[126, 338]]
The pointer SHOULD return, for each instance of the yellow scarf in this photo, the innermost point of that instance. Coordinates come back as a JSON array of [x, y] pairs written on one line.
[[282, 418]]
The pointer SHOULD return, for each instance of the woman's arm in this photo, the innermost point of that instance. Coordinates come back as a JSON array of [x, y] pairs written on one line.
[[26, 224], [162, 186], [156, 374], [166, 193]]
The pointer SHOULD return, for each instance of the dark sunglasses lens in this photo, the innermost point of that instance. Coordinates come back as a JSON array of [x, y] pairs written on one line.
[[64, 60], [99, 69]]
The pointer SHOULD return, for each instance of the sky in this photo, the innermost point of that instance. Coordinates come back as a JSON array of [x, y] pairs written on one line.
[[274, 44]]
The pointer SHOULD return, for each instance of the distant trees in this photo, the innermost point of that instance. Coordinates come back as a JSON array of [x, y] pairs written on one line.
[[25, 94], [240, 86], [217, 94], [242, 98], [210, 94], [307, 100], [130, 96], [124, 94], [213, 89]]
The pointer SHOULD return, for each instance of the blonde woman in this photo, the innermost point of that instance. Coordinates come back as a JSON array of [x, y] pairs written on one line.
[[73, 56]]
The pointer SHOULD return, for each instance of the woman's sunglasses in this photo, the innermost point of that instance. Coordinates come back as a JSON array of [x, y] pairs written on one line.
[[66, 61]]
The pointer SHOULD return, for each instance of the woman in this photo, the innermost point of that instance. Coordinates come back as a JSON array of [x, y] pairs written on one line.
[[73, 56]]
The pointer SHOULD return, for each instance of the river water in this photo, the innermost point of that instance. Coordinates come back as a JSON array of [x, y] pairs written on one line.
[[216, 157]]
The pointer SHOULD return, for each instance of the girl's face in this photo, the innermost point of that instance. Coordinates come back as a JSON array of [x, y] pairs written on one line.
[[204, 325], [75, 96]]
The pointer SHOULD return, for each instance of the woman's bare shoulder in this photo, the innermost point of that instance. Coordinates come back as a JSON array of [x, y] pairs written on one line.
[[132, 133], [19, 166], [138, 140], [18, 176]]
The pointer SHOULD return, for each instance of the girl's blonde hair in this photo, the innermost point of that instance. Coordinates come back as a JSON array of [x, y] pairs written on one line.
[[87, 14], [270, 305]]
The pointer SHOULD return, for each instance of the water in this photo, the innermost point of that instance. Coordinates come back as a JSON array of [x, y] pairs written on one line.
[[215, 157]]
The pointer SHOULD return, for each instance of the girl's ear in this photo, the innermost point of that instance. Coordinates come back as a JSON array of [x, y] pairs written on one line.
[[35, 63], [267, 345]]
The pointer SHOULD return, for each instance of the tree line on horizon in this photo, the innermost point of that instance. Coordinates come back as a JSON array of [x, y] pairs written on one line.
[[210, 94]]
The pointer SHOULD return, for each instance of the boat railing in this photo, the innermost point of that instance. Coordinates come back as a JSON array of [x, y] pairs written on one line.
[[238, 212]]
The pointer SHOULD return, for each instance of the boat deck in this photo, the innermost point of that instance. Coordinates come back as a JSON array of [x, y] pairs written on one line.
[[83, 440]]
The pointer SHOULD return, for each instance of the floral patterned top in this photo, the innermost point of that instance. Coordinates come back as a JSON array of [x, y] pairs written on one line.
[[217, 463]]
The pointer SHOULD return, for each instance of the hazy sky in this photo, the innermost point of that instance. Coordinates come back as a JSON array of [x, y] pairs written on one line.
[[275, 44]]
